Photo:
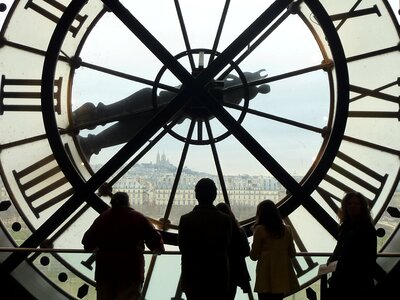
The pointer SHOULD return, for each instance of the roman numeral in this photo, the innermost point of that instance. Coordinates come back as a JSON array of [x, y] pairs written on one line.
[[377, 94], [89, 262], [363, 92], [38, 183], [23, 95], [355, 13], [357, 176], [53, 10]]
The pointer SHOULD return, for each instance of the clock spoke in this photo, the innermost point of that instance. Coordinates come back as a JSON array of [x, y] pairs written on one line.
[[135, 160], [217, 163], [184, 34], [148, 39], [127, 76], [200, 128], [253, 147], [219, 30], [254, 46], [276, 118], [178, 174], [326, 65]]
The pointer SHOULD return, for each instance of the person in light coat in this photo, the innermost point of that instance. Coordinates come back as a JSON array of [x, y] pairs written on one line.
[[273, 249]]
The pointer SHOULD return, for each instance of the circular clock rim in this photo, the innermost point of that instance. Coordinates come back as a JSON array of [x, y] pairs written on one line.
[[300, 193]]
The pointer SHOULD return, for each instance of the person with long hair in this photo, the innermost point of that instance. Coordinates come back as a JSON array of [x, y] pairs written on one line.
[[273, 249], [355, 251]]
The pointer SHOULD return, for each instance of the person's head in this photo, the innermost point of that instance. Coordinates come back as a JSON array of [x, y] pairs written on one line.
[[120, 199], [226, 209], [223, 207], [354, 205], [205, 191], [268, 215]]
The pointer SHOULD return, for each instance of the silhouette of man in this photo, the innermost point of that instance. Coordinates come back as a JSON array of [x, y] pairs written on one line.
[[204, 238], [119, 236]]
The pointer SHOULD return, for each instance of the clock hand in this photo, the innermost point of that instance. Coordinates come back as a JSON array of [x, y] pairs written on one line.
[[137, 103], [235, 89], [142, 101], [135, 110]]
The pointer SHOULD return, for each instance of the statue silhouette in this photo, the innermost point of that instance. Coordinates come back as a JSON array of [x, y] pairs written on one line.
[[134, 111]]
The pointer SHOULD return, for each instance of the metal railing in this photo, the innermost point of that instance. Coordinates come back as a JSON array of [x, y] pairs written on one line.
[[311, 296]]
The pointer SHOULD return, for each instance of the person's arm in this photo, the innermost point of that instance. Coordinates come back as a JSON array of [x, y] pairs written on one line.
[[292, 248], [181, 234], [153, 239], [369, 247], [256, 247], [89, 240], [336, 253], [244, 243]]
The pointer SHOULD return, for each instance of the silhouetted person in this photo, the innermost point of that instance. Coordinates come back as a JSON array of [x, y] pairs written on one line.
[[204, 239], [238, 251], [119, 236], [355, 251], [273, 249]]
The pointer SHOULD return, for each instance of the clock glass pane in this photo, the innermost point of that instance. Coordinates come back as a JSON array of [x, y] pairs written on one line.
[[251, 94]]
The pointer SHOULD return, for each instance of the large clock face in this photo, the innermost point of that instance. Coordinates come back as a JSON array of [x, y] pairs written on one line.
[[295, 101]]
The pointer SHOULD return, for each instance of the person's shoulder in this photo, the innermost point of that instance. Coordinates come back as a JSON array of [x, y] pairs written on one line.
[[187, 215], [104, 214], [259, 229], [370, 227], [226, 217], [287, 227], [185, 219], [288, 230], [216, 213], [133, 212]]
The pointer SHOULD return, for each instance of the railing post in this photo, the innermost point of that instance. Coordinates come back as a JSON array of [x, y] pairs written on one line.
[[324, 287]]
